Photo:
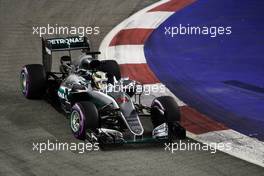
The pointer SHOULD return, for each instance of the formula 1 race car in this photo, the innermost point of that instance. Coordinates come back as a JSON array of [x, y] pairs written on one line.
[[86, 91]]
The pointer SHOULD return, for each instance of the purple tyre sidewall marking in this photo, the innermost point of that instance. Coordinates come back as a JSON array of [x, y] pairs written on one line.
[[78, 108], [25, 89]]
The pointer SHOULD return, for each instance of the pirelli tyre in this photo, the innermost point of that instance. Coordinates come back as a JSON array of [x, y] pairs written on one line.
[[84, 116], [33, 81], [112, 68], [166, 105], [166, 110]]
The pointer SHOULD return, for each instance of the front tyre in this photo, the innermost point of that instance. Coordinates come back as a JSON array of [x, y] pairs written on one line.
[[33, 81], [166, 110], [84, 116]]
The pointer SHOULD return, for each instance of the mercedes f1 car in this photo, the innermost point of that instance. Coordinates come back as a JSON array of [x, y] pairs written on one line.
[[84, 88]]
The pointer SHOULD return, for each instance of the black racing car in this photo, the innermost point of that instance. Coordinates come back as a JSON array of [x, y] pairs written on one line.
[[84, 89]]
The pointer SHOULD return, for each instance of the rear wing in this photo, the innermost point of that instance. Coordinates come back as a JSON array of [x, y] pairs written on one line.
[[61, 44], [65, 44]]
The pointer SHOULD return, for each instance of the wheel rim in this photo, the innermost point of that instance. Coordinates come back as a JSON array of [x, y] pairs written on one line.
[[23, 81], [75, 121]]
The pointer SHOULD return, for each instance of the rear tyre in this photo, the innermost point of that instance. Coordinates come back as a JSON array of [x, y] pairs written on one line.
[[33, 81], [112, 68], [84, 116]]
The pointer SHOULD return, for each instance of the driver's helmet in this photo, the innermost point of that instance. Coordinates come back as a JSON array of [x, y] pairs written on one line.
[[100, 79]]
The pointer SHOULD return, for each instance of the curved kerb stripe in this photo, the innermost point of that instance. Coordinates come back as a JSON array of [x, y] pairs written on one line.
[[125, 43]]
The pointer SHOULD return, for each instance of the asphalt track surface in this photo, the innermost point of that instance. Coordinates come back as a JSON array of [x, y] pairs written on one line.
[[24, 122]]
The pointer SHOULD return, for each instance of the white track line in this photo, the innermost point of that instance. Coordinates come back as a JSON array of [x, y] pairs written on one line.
[[122, 56], [154, 20], [242, 146]]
